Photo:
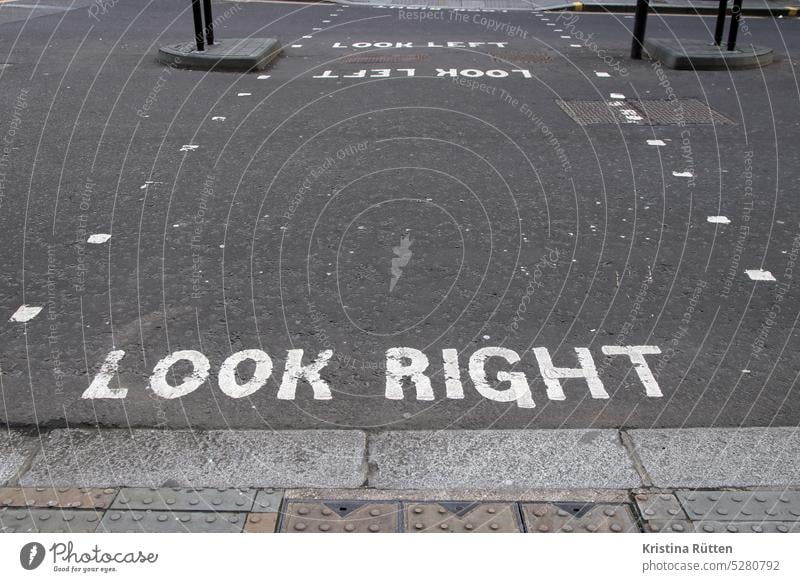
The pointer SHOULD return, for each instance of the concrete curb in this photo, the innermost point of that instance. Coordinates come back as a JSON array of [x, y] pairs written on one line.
[[498, 460]]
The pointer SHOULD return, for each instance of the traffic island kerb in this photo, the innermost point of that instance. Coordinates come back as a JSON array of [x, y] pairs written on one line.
[[234, 54]]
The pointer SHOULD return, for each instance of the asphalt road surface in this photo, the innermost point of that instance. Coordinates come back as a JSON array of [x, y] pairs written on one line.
[[398, 225]]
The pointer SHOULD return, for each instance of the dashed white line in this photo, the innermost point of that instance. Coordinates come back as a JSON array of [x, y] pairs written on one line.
[[656, 142], [617, 96], [25, 313], [98, 239], [718, 220], [243, 94], [601, 74], [218, 118], [682, 174], [263, 76], [759, 275], [189, 147]]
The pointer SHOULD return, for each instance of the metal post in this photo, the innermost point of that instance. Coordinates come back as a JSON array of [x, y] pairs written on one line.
[[723, 7], [198, 25], [209, 22], [639, 25], [736, 13]]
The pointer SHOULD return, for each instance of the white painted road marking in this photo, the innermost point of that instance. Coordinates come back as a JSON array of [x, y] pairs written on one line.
[[25, 313], [617, 96], [656, 142], [404, 367], [98, 239], [189, 147], [718, 219], [682, 174], [602, 74], [759, 275]]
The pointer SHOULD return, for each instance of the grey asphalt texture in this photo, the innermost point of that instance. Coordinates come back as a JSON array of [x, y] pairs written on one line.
[[216, 249]]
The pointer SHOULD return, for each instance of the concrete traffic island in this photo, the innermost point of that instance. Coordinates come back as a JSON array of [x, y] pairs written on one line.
[[235, 54], [207, 53], [698, 55]]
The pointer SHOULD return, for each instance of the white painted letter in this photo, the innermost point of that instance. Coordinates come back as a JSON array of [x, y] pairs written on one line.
[[296, 370], [99, 387], [519, 390], [551, 374], [227, 373], [396, 371], [200, 367], [452, 375], [636, 354]]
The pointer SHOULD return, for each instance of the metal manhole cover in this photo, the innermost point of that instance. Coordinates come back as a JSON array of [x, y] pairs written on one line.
[[577, 518], [518, 57], [461, 517], [645, 112], [380, 58], [340, 517]]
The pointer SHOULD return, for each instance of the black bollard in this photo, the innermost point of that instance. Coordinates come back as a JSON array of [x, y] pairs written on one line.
[[723, 7], [198, 25], [736, 13], [639, 25], [209, 22]]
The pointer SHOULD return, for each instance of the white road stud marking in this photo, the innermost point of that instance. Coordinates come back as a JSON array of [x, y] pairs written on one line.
[[297, 46], [227, 373], [565, 36], [98, 239], [718, 219], [602, 74], [99, 387], [656, 142], [189, 147], [759, 275], [243, 94], [198, 375], [617, 96], [25, 313], [218, 118], [682, 174], [575, 45], [263, 76], [308, 36]]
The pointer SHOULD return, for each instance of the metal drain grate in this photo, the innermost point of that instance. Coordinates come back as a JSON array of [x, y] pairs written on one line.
[[517, 57], [376, 59], [646, 112]]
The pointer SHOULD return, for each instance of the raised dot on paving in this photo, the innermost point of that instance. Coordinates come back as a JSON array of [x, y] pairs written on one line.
[[25, 313], [759, 275]]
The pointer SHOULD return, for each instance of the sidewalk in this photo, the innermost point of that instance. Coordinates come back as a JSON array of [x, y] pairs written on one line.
[[749, 7], [567, 480]]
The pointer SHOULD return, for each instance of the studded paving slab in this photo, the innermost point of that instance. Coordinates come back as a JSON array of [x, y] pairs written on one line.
[[461, 517], [54, 511], [343, 516]]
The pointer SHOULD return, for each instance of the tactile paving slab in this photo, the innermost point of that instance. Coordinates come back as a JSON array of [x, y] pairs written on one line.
[[669, 526], [172, 522], [180, 499], [578, 518], [268, 501], [261, 523], [747, 527], [340, 517], [72, 498], [741, 505], [39, 520], [661, 506], [461, 517]]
